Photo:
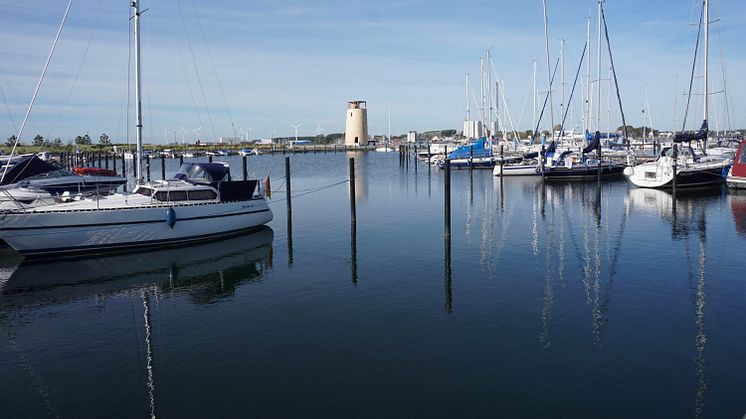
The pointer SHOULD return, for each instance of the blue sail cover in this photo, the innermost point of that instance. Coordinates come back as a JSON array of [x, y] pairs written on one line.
[[593, 145], [696, 136], [477, 149], [589, 137]]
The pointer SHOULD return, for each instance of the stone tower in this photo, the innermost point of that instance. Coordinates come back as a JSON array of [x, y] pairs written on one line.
[[356, 125]]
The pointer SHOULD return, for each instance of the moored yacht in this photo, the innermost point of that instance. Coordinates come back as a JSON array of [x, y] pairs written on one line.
[[736, 178], [200, 203]]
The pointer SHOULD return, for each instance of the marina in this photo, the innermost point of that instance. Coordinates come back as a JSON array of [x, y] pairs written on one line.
[[212, 257], [553, 298]]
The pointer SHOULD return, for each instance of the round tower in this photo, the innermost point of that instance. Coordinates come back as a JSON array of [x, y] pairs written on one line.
[[356, 125]]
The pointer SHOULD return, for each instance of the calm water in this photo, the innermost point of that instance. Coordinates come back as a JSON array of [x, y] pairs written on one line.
[[564, 300]]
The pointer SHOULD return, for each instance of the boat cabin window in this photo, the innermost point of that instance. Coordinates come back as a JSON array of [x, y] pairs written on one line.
[[144, 191], [202, 195], [742, 159], [171, 195]]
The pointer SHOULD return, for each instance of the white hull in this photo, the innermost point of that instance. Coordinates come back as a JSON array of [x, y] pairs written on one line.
[[660, 174], [516, 170], [123, 222], [735, 182]]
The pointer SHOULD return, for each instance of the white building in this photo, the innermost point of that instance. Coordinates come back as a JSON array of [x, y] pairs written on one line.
[[412, 137], [473, 129]]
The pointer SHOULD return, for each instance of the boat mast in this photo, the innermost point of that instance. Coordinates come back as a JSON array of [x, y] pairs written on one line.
[[549, 69], [707, 25], [587, 107], [598, 70], [533, 127], [138, 93]]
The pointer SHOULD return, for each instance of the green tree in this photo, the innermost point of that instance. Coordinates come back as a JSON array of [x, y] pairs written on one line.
[[104, 139], [83, 140], [11, 140], [57, 143], [38, 141]]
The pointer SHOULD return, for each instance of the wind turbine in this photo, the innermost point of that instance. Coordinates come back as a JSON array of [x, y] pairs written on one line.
[[296, 130], [197, 131], [247, 131], [319, 130]]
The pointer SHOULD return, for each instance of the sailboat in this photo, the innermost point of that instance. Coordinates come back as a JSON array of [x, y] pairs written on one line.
[[736, 178], [385, 148], [201, 202], [683, 167]]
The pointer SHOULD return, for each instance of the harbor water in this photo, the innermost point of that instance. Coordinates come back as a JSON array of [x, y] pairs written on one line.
[[570, 299]]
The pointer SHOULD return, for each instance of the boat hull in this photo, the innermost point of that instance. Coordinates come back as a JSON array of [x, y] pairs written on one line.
[[710, 175], [476, 163], [516, 170], [46, 232], [580, 172]]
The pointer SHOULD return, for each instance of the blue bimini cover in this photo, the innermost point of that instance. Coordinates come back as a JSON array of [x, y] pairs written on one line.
[[478, 148]]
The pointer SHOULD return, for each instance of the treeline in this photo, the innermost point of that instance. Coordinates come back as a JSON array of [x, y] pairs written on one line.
[[40, 141]]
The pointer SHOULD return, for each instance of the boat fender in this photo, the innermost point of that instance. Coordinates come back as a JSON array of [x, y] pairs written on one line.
[[726, 169], [170, 217]]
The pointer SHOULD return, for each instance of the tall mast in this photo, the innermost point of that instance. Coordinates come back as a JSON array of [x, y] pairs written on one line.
[[533, 126], [707, 42], [549, 69], [562, 77], [587, 105], [138, 93], [598, 71], [468, 116]]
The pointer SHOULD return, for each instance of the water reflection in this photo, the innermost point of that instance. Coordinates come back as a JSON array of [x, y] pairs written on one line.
[[686, 213], [207, 272], [738, 208]]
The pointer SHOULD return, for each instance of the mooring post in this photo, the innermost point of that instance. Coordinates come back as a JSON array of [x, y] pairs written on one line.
[[245, 169], [447, 199], [181, 160], [471, 156], [598, 153], [163, 167], [428, 156], [113, 163], [147, 166], [209, 158], [502, 160], [287, 188], [675, 164], [542, 160], [353, 209], [106, 159]]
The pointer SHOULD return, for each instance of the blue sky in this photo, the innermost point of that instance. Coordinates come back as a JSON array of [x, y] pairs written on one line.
[[266, 64]]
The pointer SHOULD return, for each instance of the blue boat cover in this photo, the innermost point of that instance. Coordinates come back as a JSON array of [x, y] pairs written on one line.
[[593, 145], [479, 148], [695, 136]]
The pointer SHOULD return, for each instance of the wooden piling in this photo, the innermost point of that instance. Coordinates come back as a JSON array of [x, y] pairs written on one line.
[[675, 164], [353, 209], [447, 198], [502, 159], [163, 167], [147, 166], [287, 188]]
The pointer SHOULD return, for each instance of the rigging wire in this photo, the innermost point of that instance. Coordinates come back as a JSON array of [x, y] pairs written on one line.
[[215, 70], [694, 65], [80, 68], [38, 85], [196, 70]]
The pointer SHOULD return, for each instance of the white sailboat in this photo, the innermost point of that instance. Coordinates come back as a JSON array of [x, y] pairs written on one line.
[[385, 148], [201, 202], [683, 167]]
